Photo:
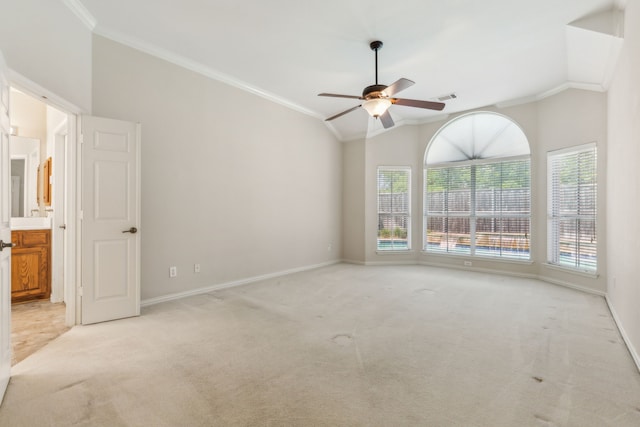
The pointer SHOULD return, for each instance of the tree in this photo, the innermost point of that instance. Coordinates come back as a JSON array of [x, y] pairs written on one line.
[[393, 181]]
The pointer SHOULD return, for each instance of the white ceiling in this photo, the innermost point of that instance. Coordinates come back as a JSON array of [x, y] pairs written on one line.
[[487, 52]]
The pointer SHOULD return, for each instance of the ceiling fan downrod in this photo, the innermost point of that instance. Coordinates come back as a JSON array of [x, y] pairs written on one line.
[[375, 46], [374, 91]]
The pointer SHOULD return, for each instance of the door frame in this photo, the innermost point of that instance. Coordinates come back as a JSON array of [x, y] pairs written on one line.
[[59, 197], [73, 313]]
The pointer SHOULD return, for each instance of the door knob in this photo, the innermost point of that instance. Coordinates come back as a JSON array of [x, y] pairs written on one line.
[[63, 226], [5, 245], [132, 230]]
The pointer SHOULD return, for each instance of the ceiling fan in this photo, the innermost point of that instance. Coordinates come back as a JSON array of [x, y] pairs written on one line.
[[378, 98]]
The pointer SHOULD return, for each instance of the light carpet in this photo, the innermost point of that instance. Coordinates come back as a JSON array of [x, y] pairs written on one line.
[[343, 345]]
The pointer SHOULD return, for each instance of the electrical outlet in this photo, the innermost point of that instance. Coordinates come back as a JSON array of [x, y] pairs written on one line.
[[467, 263], [196, 268], [329, 247], [173, 271]]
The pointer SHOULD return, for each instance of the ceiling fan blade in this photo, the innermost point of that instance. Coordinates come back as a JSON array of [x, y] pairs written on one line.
[[342, 114], [398, 85], [387, 121], [335, 95], [429, 105]]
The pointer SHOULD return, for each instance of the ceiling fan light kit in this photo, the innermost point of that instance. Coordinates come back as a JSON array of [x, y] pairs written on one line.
[[378, 98], [377, 106]]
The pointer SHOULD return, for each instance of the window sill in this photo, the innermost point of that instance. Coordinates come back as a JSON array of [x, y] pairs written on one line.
[[395, 252], [479, 258], [584, 273]]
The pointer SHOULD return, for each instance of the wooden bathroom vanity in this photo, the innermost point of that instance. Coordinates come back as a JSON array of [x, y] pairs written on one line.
[[30, 265]]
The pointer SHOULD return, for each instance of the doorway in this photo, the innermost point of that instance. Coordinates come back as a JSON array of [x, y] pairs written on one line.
[[33, 325], [49, 131]]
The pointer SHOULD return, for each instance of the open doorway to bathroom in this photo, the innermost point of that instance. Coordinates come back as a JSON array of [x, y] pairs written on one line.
[[38, 147]]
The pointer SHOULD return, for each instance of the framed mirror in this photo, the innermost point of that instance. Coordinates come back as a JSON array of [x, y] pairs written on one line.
[[25, 159]]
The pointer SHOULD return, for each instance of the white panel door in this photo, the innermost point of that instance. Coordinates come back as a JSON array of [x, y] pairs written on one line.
[[110, 219], [5, 234]]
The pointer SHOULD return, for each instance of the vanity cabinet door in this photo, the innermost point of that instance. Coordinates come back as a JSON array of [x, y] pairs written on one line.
[[30, 265]]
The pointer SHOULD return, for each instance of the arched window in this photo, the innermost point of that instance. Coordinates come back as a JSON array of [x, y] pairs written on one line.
[[477, 188]]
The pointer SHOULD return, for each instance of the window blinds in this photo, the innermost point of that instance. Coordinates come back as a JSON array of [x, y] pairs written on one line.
[[572, 208], [483, 208], [448, 209], [394, 207]]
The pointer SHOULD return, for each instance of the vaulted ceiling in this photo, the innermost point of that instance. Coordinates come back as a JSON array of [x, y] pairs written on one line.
[[486, 52]]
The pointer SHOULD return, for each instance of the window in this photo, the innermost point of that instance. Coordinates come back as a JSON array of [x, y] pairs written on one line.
[[477, 189], [571, 208], [394, 207]]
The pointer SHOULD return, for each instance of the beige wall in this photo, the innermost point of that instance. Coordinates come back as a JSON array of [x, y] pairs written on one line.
[[55, 121], [570, 118], [353, 201], [231, 181], [623, 186], [29, 115]]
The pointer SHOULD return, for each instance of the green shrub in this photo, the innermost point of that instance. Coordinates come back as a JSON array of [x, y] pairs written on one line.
[[400, 233], [384, 233]]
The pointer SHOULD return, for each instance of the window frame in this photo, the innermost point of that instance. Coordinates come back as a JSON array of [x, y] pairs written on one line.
[[554, 218], [473, 216], [407, 214]]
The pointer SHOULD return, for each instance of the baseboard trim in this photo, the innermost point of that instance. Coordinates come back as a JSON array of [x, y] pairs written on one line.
[[383, 263], [480, 270], [199, 291], [632, 350], [234, 283], [514, 274], [353, 261], [571, 286]]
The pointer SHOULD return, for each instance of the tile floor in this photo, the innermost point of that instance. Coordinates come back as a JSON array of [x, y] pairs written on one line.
[[33, 325]]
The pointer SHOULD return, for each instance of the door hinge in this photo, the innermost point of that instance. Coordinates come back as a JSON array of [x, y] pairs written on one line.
[[81, 215], [81, 138], [81, 291]]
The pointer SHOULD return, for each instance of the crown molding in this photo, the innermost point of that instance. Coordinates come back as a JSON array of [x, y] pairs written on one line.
[[334, 131], [199, 68], [90, 22], [82, 13], [593, 87]]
